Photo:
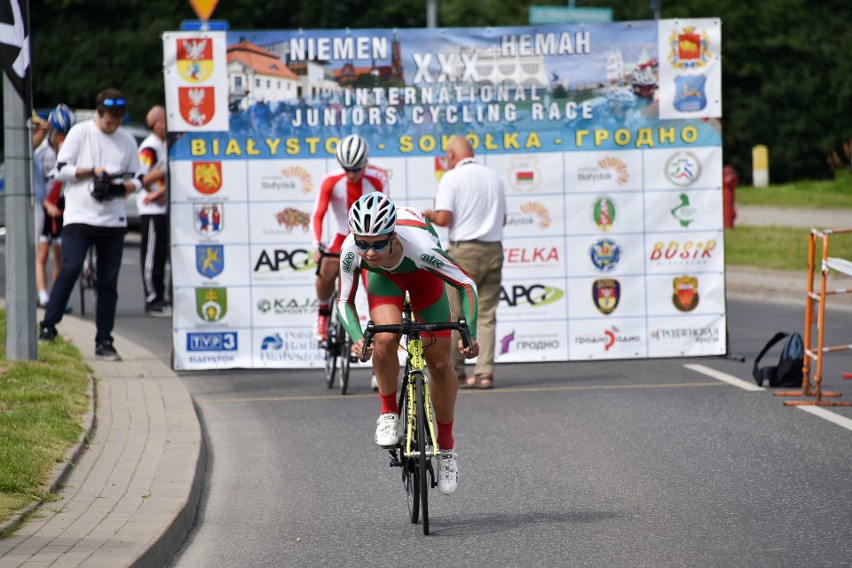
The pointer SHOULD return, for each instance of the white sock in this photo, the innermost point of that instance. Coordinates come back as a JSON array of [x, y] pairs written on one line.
[[42, 296]]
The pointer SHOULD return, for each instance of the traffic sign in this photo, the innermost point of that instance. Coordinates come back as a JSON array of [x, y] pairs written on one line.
[[204, 8]]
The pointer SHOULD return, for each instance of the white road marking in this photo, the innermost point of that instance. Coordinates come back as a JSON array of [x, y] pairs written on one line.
[[819, 411], [841, 421], [724, 377]]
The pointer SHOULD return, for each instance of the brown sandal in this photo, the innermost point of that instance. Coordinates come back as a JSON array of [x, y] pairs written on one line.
[[484, 381], [467, 382]]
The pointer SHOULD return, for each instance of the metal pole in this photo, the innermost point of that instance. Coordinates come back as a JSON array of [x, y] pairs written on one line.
[[431, 13], [20, 228]]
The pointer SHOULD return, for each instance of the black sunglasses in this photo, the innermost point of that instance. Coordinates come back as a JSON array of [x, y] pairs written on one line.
[[377, 246], [358, 169], [113, 102]]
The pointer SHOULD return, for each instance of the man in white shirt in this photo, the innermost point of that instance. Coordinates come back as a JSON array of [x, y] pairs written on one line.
[[100, 166], [152, 206], [471, 201]]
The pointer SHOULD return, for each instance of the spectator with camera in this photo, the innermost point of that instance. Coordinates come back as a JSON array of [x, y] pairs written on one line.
[[100, 165]]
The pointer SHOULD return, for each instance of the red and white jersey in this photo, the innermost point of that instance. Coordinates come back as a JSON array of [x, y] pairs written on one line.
[[340, 194]]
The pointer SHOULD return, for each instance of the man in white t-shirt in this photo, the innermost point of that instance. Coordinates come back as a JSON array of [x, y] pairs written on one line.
[[471, 201], [152, 206], [100, 166]]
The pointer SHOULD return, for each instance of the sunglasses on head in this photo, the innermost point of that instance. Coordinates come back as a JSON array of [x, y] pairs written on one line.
[[113, 102], [377, 246]]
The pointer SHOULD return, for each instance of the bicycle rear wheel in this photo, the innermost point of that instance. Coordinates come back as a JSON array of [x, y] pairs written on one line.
[[422, 458], [332, 350]]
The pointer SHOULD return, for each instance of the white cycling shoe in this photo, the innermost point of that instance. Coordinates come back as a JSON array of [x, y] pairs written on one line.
[[386, 435], [448, 471]]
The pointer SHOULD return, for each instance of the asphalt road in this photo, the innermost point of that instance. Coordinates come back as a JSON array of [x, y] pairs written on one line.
[[628, 463]]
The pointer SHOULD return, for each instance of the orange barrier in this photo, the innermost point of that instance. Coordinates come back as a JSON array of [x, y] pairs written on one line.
[[828, 263]]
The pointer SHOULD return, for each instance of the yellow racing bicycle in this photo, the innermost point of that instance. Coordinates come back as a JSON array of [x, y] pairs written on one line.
[[418, 442]]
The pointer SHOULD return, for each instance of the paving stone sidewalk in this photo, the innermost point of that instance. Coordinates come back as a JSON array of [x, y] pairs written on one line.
[[133, 495]]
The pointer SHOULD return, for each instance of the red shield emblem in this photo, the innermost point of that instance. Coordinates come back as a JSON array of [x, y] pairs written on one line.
[[197, 104], [441, 167], [195, 59], [689, 46], [207, 177]]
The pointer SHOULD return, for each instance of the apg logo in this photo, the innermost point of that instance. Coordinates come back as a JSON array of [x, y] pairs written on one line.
[[535, 295], [295, 260]]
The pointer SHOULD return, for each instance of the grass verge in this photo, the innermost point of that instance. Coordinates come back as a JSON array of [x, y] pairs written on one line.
[[828, 194], [781, 248], [42, 404]]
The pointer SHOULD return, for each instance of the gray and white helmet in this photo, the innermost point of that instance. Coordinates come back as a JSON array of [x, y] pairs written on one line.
[[372, 215], [352, 152]]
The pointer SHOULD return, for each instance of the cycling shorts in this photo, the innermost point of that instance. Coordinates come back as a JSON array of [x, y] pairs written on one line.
[[51, 228], [428, 295]]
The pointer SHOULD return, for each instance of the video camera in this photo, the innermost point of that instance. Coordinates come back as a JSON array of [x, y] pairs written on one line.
[[104, 189]]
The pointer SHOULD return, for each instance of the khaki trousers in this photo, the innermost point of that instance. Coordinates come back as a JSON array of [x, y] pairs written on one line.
[[484, 263]]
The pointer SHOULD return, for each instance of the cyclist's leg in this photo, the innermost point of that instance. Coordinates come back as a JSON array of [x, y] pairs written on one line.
[[327, 272], [430, 304]]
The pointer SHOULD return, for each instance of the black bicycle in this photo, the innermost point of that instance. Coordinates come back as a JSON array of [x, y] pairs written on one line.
[[89, 279], [338, 350], [418, 443], [337, 344]]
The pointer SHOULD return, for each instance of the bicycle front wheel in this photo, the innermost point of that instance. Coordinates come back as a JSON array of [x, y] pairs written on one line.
[[409, 467], [422, 458], [343, 357]]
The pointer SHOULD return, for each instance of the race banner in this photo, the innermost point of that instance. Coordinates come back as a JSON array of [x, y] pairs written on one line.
[[614, 243]]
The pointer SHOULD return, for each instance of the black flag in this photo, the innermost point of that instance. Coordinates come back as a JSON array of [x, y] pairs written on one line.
[[15, 46]]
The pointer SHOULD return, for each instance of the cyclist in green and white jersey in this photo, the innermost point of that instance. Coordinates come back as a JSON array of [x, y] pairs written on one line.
[[401, 252]]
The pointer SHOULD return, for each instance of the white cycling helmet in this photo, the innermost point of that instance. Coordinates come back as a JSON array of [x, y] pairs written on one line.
[[61, 119], [372, 215], [352, 152]]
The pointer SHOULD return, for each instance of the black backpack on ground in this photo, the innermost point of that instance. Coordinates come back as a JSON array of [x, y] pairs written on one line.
[[788, 372]]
